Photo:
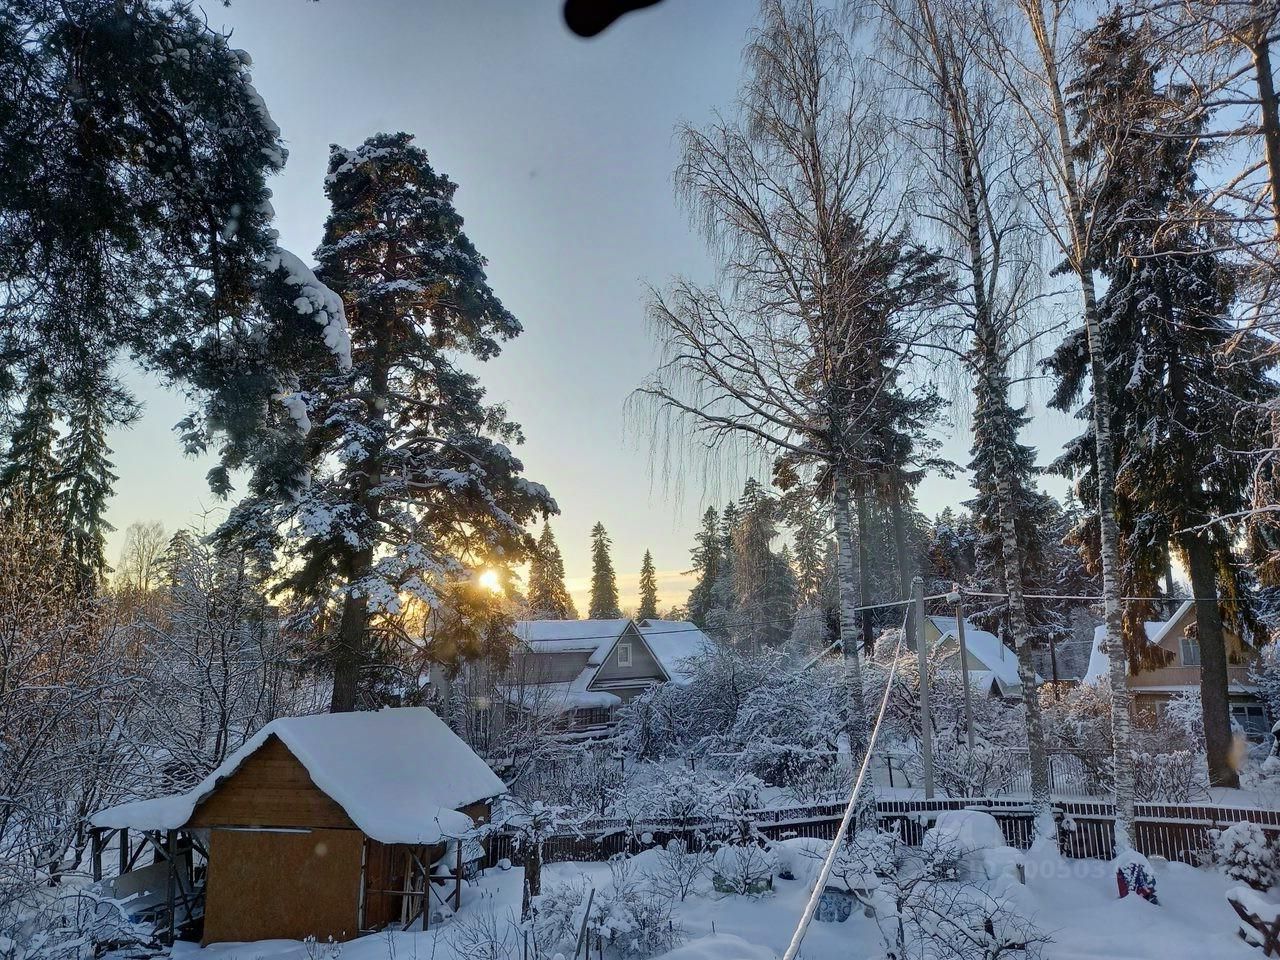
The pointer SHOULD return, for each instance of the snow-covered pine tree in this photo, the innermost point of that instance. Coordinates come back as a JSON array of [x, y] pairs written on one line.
[[648, 588], [604, 582], [705, 555], [141, 209], [406, 485], [1176, 399], [548, 596]]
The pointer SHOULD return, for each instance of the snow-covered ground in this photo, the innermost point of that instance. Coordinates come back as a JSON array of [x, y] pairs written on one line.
[[1073, 901]]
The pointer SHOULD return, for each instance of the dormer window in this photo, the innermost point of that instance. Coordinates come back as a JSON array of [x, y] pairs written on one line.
[[624, 654], [1190, 652]]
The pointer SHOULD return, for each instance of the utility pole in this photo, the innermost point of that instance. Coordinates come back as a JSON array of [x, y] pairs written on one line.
[[926, 721], [957, 596]]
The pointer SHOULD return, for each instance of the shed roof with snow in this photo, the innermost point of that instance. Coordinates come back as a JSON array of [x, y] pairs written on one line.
[[400, 774]]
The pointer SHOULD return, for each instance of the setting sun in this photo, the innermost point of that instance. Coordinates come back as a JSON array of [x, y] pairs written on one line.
[[489, 580]]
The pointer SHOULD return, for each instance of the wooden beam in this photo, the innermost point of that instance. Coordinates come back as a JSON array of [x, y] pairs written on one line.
[[123, 851], [171, 881]]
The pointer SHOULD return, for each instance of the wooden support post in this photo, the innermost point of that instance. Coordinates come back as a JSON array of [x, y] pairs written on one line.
[[964, 662], [457, 880], [926, 720], [171, 882], [95, 844], [122, 838]]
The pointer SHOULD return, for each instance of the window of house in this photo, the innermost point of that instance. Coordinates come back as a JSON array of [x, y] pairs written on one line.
[[1252, 718], [624, 654], [1190, 652]]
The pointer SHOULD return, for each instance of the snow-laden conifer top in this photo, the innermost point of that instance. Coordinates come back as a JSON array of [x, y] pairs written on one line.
[[400, 774]]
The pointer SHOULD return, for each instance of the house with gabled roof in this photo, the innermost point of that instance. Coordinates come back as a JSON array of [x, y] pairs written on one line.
[[583, 670], [1174, 648], [993, 667]]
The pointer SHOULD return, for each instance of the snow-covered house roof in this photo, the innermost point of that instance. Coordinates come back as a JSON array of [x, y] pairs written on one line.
[[573, 653], [1000, 663], [673, 643], [571, 636], [400, 774], [1156, 631]]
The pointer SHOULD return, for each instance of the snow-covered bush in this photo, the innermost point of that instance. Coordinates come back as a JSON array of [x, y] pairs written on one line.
[[1244, 852], [923, 908], [1177, 776], [745, 869], [627, 918], [985, 771], [480, 934], [679, 866]]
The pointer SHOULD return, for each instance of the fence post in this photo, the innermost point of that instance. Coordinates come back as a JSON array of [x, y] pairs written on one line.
[[964, 662], [926, 720]]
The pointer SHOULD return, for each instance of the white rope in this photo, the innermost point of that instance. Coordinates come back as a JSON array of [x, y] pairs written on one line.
[[825, 873]]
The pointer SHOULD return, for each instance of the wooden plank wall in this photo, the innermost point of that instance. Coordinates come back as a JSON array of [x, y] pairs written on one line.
[[265, 885], [270, 789]]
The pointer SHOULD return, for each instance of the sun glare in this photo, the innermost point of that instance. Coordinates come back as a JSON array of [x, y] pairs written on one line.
[[489, 580]]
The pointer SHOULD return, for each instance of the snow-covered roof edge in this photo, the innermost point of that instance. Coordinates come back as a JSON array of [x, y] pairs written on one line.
[[173, 811]]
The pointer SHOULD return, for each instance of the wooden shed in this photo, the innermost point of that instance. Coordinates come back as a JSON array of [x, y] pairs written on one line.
[[324, 826]]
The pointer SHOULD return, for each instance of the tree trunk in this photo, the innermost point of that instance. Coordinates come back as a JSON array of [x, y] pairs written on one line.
[[1079, 256], [1215, 703], [848, 584], [906, 568], [1011, 555], [864, 561], [1260, 50], [346, 654]]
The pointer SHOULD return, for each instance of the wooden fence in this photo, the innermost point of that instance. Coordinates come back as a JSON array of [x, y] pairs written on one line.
[[1086, 829]]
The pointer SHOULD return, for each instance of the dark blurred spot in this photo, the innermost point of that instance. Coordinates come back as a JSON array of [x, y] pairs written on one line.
[[587, 18]]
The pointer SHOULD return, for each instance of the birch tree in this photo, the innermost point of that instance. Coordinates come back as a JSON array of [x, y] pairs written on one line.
[[798, 352], [961, 135], [1029, 49]]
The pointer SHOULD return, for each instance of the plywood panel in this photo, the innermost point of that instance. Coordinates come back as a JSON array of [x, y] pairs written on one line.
[[266, 885], [270, 789]]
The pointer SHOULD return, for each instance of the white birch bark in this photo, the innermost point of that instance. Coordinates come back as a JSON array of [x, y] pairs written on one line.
[[1079, 255], [847, 574]]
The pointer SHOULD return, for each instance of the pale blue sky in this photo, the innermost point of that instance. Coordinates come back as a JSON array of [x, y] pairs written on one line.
[[563, 151]]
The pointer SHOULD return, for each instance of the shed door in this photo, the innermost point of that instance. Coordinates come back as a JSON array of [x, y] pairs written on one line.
[[270, 884]]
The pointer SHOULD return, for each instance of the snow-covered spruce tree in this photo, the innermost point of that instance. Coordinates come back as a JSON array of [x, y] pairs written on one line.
[[406, 483], [1176, 400], [548, 596], [604, 582], [30, 465], [705, 556], [648, 588], [85, 473]]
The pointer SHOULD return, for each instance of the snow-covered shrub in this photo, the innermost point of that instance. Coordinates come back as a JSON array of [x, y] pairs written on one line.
[[483, 935], [745, 869], [1184, 717], [679, 866], [557, 915], [627, 918], [1244, 852], [630, 917], [1263, 781], [1177, 776], [987, 770], [923, 908]]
